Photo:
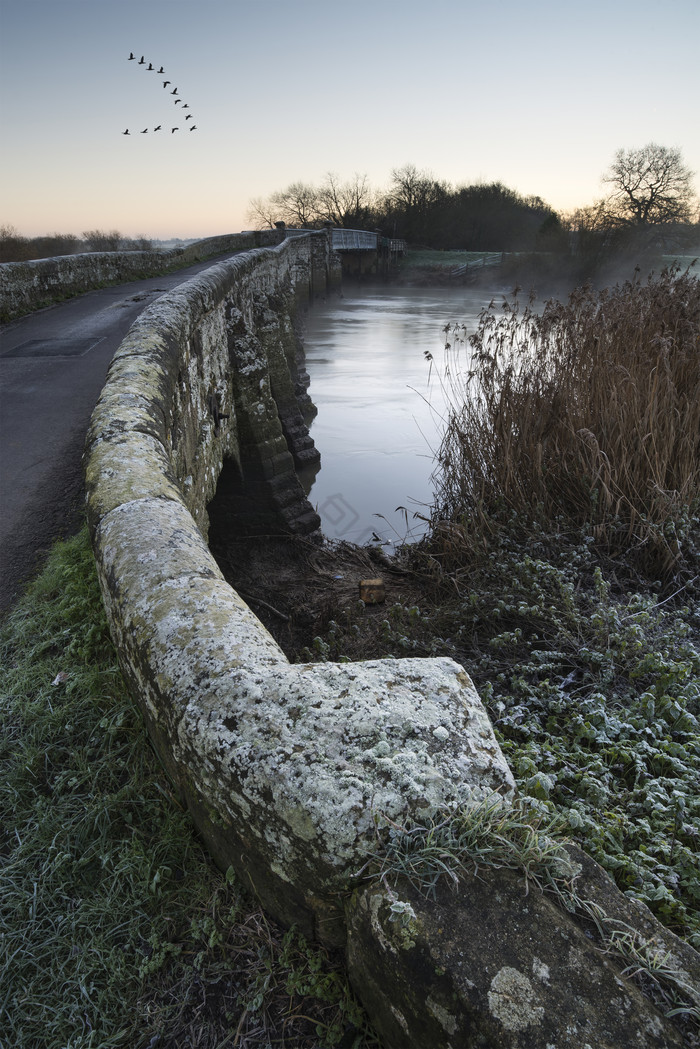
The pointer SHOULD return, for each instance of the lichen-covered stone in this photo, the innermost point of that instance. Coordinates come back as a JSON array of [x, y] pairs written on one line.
[[328, 751], [305, 763], [495, 966], [128, 467]]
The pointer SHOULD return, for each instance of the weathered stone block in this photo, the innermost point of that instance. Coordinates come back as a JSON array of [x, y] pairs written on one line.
[[495, 966], [128, 467], [302, 764]]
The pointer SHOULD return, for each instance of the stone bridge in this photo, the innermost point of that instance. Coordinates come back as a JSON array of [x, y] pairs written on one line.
[[361, 251], [296, 773], [26, 286]]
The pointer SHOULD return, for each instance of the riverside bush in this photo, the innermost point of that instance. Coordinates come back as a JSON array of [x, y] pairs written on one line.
[[565, 543]]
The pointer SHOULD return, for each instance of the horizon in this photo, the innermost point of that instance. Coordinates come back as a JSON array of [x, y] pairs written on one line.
[[284, 92]]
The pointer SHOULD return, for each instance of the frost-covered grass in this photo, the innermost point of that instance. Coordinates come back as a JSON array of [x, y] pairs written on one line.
[[593, 690], [432, 257], [115, 928], [425, 263], [526, 838]]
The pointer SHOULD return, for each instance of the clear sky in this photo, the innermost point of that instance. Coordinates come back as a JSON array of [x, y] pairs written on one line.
[[538, 96]]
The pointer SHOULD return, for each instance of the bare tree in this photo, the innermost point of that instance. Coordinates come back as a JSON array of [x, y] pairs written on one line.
[[261, 213], [297, 205], [413, 201], [138, 243], [650, 186], [55, 244], [350, 205], [414, 190], [102, 240], [13, 246]]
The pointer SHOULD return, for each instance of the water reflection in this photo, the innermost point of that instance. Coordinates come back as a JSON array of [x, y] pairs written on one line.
[[379, 405]]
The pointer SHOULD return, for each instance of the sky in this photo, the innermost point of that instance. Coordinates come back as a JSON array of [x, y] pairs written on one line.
[[538, 96]]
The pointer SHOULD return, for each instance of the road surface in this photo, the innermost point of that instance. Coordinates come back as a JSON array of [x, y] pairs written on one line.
[[53, 365]]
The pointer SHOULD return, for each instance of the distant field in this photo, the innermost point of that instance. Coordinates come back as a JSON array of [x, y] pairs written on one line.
[[441, 259]]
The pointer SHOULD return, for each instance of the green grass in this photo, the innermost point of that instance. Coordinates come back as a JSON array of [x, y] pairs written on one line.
[[432, 259], [115, 928]]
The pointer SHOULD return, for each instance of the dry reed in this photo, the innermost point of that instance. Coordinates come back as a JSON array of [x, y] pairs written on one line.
[[588, 412]]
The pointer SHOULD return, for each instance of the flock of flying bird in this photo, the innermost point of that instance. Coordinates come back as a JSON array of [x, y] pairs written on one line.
[[166, 84]]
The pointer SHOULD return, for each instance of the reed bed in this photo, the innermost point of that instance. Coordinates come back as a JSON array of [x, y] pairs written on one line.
[[586, 412]]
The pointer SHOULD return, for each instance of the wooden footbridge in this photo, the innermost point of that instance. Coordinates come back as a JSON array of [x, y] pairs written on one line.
[[361, 251]]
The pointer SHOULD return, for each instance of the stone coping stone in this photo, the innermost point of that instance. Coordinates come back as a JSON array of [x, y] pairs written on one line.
[[320, 752], [497, 964]]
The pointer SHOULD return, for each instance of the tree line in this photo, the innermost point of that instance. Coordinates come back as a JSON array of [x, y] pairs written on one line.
[[417, 207], [649, 205], [649, 202], [16, 248]]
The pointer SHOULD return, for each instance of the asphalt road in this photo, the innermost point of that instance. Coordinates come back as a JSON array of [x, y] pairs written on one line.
[[53, 365]]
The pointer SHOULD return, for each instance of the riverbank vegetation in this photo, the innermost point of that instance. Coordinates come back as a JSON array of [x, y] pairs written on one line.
[[586, 411], [562, 568]]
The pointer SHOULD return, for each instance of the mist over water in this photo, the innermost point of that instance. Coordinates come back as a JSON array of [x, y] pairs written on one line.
[[380, 405]]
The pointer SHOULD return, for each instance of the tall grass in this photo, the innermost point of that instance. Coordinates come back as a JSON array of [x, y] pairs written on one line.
[[588, 412]]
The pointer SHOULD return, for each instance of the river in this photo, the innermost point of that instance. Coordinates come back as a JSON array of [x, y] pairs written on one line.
[[380, 405]]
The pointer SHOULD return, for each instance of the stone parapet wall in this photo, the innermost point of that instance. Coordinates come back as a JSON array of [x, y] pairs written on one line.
[[291, 764], [25, 286], [295, 773]]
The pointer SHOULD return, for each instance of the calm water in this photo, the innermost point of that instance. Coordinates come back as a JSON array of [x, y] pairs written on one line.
[[379, 407]]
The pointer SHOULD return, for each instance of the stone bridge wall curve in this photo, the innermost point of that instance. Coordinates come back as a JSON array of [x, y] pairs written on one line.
[[236, 725], [292, 771]]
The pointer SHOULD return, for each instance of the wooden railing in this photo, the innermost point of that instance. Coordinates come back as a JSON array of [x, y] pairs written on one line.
[[356, 240]]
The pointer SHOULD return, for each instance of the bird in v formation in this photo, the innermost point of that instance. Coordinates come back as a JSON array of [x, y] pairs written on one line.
[[166, 83]]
